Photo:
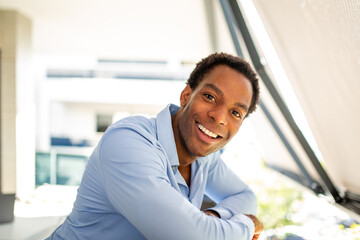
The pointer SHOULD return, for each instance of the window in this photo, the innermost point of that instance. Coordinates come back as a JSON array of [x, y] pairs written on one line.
[[103, 121]]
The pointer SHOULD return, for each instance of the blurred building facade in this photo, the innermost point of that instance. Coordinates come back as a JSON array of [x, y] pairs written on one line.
[[70, 69]]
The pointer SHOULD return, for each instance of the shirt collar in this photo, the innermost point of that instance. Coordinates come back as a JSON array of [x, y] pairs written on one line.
[[165, 133]]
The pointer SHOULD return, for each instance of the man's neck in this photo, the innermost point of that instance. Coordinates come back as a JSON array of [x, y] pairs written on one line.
[[186, 173]]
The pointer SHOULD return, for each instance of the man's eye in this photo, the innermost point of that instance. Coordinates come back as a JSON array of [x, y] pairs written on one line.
[[210, 97], [236, 113]]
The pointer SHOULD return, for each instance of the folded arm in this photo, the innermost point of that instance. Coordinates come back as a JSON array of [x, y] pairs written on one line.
[[230, 193]]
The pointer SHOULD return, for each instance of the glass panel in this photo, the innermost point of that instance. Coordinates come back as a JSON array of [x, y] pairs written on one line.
[[70, 169], [42, 168]]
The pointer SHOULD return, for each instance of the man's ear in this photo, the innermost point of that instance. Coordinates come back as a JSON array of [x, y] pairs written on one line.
[[185, 95]]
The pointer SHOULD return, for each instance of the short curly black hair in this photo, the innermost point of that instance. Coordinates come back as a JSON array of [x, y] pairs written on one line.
[[237, 63]]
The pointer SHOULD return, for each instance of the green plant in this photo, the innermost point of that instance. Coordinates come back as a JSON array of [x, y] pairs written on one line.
[[277, 203]]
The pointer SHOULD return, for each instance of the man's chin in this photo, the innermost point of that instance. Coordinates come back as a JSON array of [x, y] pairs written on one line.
[[205, 153], [202, 154]]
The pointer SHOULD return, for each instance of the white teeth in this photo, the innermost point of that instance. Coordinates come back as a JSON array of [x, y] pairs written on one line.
[[206, 131]]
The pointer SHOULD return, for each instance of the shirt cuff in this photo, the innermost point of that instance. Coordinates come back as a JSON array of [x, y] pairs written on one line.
[[224, 213], [246, 221]]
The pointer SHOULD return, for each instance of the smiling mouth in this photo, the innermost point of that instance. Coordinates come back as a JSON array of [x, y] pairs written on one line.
[[207, 131]]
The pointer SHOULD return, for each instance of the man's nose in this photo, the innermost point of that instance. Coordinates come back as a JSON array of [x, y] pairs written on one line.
[[219, 115]]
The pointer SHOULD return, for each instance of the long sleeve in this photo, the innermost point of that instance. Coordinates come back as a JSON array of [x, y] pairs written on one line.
[[134, 171], [232, 195]]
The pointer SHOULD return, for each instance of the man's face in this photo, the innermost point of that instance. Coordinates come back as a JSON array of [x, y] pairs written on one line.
[[212, 113]]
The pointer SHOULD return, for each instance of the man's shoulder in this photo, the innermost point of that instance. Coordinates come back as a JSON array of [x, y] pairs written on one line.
[[135, 121], [137, 124]]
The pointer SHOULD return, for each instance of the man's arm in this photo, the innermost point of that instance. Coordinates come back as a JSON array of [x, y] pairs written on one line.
[[230, 193], [234, 197], [137, 186]]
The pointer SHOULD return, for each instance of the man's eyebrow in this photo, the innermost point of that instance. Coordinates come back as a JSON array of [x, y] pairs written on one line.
[[215, 88], [243, 106], [218, 91]]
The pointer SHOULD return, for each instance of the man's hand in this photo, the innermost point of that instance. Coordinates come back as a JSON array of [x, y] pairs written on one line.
[[212, 213], [258, 226]]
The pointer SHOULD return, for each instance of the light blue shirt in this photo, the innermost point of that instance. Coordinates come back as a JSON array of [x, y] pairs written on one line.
[[131, 189]]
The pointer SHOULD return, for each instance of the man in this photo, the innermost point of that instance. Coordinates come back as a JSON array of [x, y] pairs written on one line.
[[147, 177]]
